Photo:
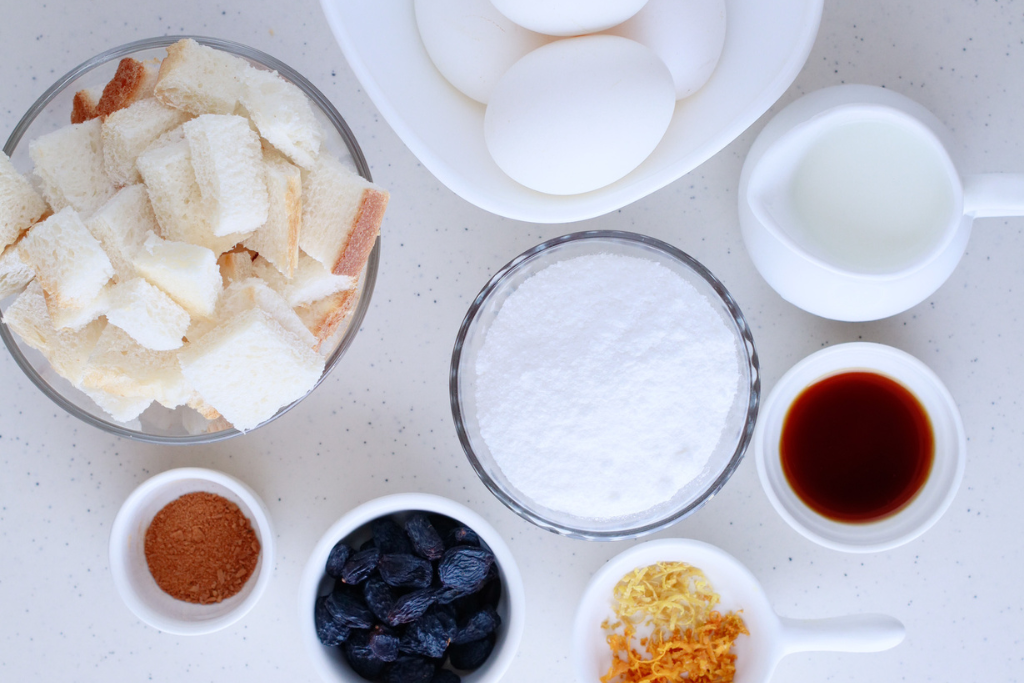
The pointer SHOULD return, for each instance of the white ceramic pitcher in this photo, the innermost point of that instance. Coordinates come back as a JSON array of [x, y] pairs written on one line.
[[808, 279]]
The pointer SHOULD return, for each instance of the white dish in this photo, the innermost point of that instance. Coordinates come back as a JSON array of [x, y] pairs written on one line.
[[771, 637], [928, 504], [330, 662], [130, 571], [766, 45]]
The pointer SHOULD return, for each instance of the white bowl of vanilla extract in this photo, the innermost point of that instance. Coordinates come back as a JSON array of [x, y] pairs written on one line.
[[860, 447]]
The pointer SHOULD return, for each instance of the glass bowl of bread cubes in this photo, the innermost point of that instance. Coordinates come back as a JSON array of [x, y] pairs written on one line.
[[190, 238]]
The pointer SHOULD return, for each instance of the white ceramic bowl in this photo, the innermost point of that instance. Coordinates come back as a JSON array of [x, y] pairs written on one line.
[[766, 45], [928, 504], [771, 637], [128, 560], [330, 662]]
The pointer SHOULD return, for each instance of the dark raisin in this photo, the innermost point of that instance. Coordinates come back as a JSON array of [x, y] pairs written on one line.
[[461, 535], [450, 595], [442, 524], [411, 606], [330, 631], [361, 658], [469, 656], [465, 567], [425, 539], [409, 669], [383, 642], [360, 566], [446, 615], [405, 571], [389, 537], [491, 592], [445, 676], [367, 545], [346, 608], [337, 559], [426, 636], [483, 623], [379, 597]]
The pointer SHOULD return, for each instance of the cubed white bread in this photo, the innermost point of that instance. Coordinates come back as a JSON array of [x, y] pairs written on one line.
[[250, 367], [133, 81], [147, 314], [310, 283], [121, 226], [200, 79], [277, 240], [341, 216], [186, 272], [196, 403], [325, 317], [68, 261], [283, 115], [121, 408], [67, 351], [69, 162], [245, 295], [20, 205], [166, 169], [85, 104], [14, 272], [228, 163], [128, 132], [77, 317], [120, 366], [235, 266]]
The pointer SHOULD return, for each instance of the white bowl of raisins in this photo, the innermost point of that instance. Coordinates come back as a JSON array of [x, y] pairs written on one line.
[[411, 588]]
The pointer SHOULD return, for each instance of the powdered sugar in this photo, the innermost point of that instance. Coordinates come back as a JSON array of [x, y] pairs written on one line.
[[603, 385]]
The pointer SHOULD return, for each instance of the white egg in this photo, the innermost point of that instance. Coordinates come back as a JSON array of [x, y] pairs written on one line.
[[579, 113], [688, 35], [568, 17], [471, 43]]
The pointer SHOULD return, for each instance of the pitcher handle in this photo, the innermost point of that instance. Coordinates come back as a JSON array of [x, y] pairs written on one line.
[[988, 195], [854, 633]]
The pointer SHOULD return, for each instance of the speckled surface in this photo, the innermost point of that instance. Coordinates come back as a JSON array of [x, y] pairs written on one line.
[[381, 423]]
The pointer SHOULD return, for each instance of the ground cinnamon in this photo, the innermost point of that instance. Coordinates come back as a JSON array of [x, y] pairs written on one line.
[[201, 548]]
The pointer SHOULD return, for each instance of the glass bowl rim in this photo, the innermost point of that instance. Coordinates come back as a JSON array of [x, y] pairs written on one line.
[[745, 337], [343, 131]]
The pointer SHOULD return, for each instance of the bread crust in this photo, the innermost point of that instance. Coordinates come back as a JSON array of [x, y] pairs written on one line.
[[83, 107], [324, 317], [124, 88], [364, 234]]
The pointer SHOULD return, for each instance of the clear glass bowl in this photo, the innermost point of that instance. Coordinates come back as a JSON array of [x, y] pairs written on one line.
[[52, 111], [462, 384]]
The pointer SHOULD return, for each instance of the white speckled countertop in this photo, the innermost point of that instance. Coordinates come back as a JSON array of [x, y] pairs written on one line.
[[382, 424]]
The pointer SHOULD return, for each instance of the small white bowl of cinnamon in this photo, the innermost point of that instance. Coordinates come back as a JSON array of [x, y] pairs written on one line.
[[191, 551]]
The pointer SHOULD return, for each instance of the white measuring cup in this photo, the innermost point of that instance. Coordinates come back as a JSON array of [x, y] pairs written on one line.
[[821, 282], [771, 637]]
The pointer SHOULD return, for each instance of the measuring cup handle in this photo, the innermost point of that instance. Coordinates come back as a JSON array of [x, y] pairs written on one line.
[[988, 195], [854, 633]]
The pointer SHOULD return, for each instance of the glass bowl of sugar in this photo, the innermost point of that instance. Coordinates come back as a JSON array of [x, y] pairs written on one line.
[[604, 385]]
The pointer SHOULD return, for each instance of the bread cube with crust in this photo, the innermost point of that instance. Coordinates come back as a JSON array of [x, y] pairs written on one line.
[[186, 272], [249, 367], [127, 133], [69, 162], [66, 350], [228, 163], [70, 264], [277, 240], [14, 272], [325, 317], [283, 115], [20, 205], [133, 81], [341, 216], [244, 295], [199, 79], [235, 266], [121, 226]]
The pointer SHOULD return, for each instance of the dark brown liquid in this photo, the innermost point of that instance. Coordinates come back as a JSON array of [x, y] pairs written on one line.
[[856, 447]]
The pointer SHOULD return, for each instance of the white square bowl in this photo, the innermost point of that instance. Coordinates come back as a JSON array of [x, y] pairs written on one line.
[[766, 46]]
